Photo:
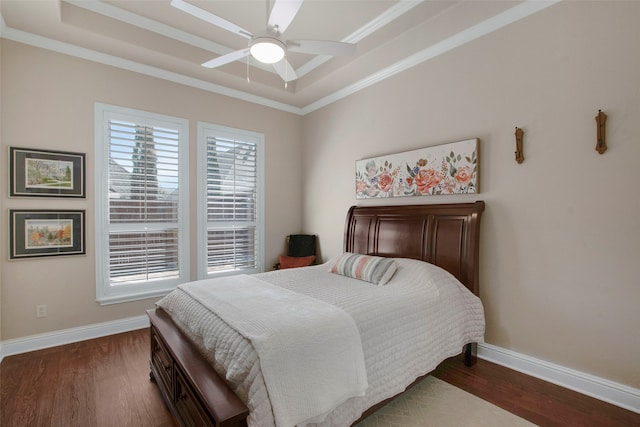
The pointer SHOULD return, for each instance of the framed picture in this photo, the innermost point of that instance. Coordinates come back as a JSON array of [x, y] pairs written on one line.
[[442, 169], [37, 233], [43, 173]]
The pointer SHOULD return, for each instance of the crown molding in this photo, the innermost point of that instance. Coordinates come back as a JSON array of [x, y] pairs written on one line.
[[470, 34], [164, 30], [516, 13], [125, 64], [110, 11], [395, 11], [136, 20]]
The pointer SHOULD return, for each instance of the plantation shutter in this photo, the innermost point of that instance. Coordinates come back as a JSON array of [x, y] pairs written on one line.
[[231, 204], [143, 203]]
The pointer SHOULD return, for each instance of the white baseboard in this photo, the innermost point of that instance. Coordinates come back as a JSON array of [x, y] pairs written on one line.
[[615, 393], [67, 336]]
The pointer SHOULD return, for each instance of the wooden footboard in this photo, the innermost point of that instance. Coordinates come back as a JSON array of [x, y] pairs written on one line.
[[193, 391], [189, 385]]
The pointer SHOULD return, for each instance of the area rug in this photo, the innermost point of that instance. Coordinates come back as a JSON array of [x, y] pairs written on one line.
[[435, 403]]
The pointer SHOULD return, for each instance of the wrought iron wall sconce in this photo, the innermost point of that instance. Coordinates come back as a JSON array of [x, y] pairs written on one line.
[[519, 152], [601, 143]]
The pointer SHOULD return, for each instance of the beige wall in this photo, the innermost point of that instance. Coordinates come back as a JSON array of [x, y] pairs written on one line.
[[560, 266], [48, 102]]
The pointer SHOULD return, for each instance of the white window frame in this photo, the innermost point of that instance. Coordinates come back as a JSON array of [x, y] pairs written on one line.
[[206, 130], [105, 292]]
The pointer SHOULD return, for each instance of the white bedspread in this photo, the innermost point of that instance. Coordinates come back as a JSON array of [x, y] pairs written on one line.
[[407, 327], [299, 340]]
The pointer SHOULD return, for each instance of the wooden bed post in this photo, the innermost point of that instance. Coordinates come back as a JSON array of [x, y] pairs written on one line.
[[470, 354]]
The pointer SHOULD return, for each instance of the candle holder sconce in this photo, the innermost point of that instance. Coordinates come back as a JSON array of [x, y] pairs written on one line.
[[601, 143], [519, 153]]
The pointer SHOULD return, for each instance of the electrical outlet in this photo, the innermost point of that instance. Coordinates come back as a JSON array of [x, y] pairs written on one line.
[[41, 310]]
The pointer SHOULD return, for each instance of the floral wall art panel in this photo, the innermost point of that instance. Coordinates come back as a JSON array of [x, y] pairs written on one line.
[[443, 169]]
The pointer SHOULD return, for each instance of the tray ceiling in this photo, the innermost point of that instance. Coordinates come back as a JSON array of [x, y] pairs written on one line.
[[152, 37]]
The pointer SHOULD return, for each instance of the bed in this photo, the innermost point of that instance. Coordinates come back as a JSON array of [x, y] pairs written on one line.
[[203, 384]]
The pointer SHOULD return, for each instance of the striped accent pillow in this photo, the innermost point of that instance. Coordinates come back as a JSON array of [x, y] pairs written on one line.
[[373, 269]]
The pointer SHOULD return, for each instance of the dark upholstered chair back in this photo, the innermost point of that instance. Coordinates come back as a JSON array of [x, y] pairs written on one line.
[[300, 245]]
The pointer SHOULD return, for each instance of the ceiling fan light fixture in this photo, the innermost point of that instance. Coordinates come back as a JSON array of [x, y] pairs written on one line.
[[268, 50]]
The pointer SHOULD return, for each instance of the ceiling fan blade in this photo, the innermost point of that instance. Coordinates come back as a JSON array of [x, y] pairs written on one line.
[[282, 13], [285, 70], [321, 47], [225, 59], [210, 18]]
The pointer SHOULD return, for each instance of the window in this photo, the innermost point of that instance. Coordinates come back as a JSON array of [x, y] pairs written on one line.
[[230, 208], [141, 203]]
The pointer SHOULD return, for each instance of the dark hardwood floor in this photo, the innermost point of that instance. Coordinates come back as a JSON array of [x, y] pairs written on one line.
[[100, 382], [105, 382], [537, 401]]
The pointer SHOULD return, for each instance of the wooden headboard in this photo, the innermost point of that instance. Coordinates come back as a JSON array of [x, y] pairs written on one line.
[[446, 235]]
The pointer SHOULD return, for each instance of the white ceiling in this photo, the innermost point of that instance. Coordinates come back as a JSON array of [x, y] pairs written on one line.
[[152, 37]]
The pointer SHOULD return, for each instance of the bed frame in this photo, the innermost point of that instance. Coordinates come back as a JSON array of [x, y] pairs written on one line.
[[446, 235]]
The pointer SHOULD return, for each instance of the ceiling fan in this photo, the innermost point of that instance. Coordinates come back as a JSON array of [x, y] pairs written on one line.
[[268, 47]]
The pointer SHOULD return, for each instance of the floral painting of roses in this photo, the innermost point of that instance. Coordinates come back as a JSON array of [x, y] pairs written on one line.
[[443, 169]]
